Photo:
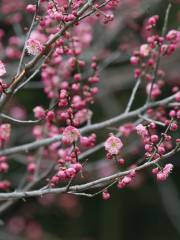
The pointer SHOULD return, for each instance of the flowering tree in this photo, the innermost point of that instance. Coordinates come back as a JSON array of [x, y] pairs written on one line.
[[58, 47]]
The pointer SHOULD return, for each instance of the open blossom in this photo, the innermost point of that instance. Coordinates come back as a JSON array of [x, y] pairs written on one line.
[[82, 116], [145, 50], [141, 130], [33, 46], [173, 35], [164, 173], [2, 69], [113, 145], [70, 134]]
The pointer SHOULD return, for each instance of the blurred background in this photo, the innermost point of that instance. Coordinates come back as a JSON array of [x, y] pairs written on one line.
[[145, 210]]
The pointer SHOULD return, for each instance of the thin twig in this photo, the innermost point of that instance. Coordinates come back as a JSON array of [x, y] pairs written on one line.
[[27, 37], [131, 99]]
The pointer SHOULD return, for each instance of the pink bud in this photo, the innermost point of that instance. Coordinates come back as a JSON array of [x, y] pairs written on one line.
[[106, 195], [31, 8], [134, 60], [31, 168]]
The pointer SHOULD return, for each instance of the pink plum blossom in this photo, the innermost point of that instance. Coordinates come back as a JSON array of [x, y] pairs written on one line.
[[2, 69], [141, 130], [113, 145], [34, 47], [145, 50], [70, 134], [5, 130], [164, 173]]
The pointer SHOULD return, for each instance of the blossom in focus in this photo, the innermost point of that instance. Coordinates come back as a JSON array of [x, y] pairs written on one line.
[[34, 47], [70, 134], [164, 173], [113, 145]]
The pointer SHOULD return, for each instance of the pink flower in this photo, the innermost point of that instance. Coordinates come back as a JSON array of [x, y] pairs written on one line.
[[31, 8], [2, 69], [106, 195], [178, 96], [31, 167], [145, 50], [164, 173], [153, 20], [141, 130], [5, 130], [168, 168], [70, 134], [39, 112], [82, 116], [126, 129], [124, 182], [134, 60], [4, 167], [155, 91], [34, 47], [173, 36], [113, 145]]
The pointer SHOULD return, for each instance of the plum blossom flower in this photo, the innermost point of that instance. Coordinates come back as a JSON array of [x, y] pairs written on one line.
[[5, 130], [106, 195], [178, 96], [173, 35], [141, 130], [126, 129], [31, 8], [82, 116], [2, 69], [39, 112], [124, 182], [154, 90], [164, 173], [34, 47], [134, 60], [70, 134], [145, 50], [113, 145]]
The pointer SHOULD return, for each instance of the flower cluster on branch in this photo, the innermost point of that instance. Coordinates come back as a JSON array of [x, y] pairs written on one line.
[[64, 135]]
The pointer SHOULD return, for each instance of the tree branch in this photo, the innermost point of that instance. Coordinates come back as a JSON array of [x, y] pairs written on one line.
[[89, 128], [86, 186]]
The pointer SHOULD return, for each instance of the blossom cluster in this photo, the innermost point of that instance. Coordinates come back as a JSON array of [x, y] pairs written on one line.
[[147, 57], [70, 75]]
